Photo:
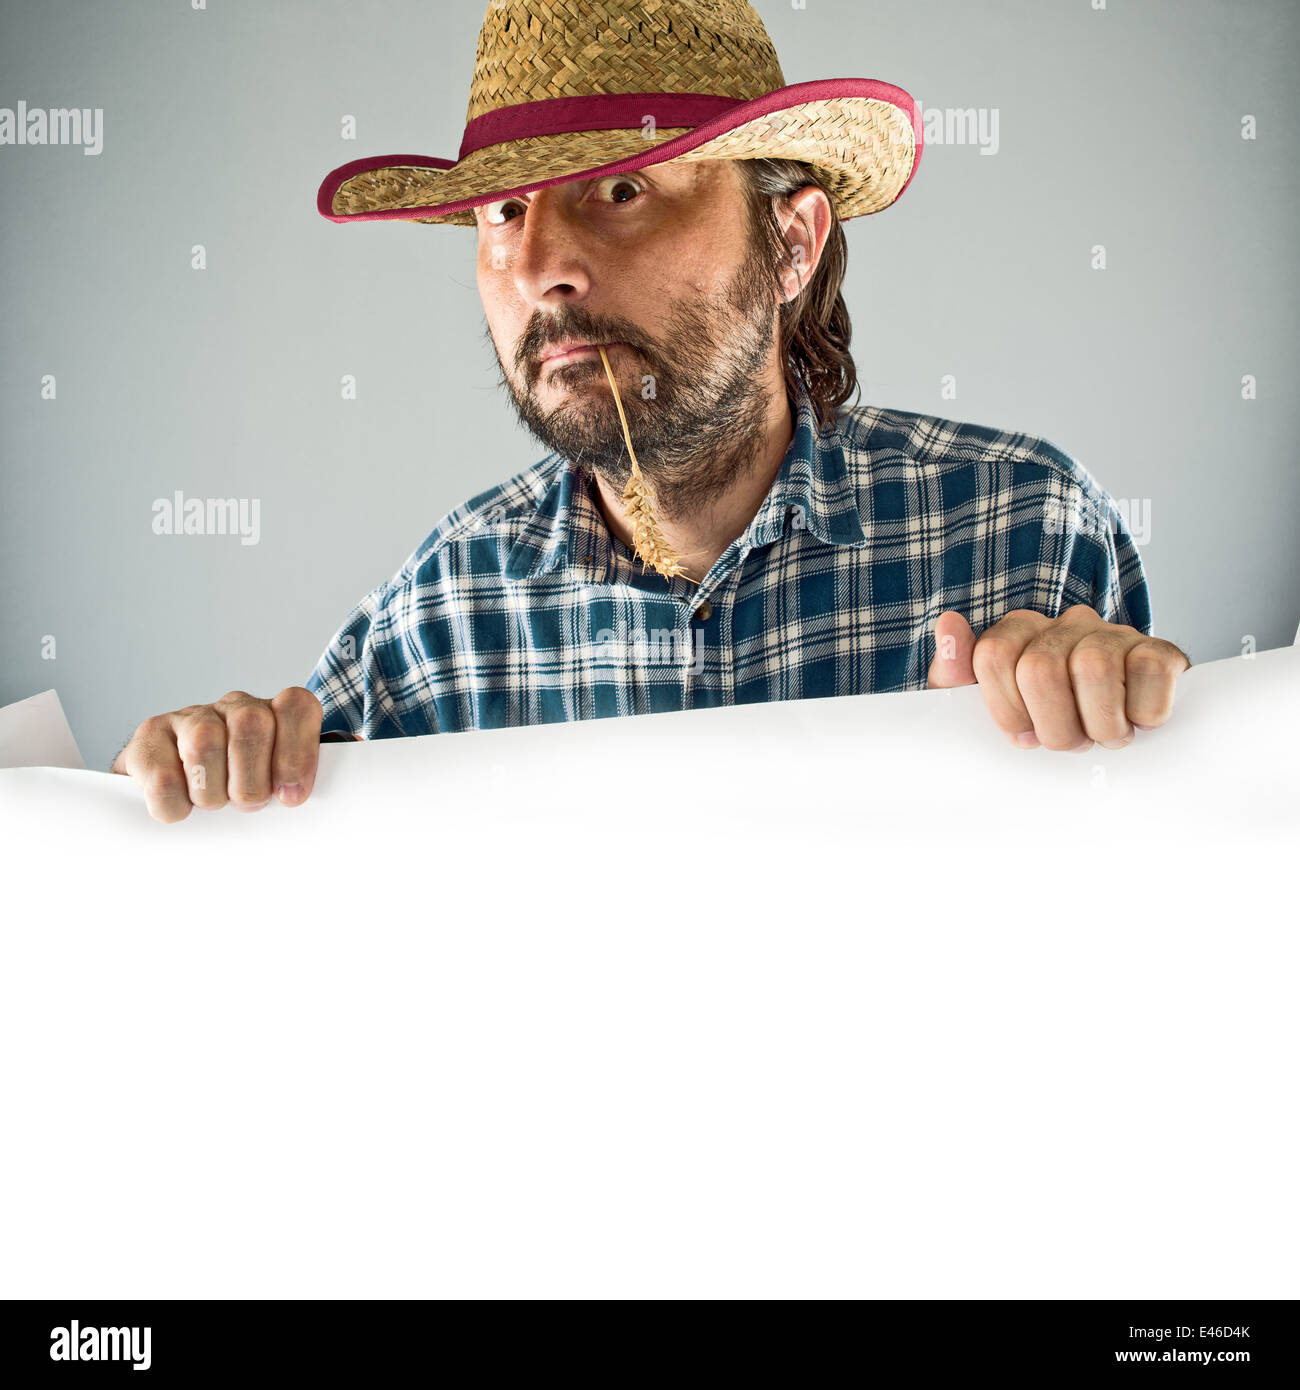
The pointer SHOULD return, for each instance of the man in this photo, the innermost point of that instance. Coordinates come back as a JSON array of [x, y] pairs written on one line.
[[633, 186]]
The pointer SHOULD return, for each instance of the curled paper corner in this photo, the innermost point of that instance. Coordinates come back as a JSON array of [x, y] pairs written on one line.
[[35, 733]]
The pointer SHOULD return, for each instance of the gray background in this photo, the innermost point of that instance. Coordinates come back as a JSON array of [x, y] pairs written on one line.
[[1119, 127]]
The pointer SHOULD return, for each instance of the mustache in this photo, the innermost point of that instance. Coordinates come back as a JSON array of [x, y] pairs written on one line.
[[537, 338]]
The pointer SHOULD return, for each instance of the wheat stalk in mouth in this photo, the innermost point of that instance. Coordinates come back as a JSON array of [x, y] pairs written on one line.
[[638, 503]]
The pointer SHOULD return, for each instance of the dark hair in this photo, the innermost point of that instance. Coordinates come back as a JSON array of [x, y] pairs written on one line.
[[814, 325]]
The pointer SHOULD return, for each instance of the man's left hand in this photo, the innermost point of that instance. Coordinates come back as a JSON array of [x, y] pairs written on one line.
[[1066, 682]]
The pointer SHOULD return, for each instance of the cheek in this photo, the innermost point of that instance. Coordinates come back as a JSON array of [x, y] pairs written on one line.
[[709, 290], [680, 281], [716, 245], [492, 266], [502, 307], [710, 273]]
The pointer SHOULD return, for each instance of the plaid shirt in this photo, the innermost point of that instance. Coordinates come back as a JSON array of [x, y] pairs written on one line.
[[521, 608]]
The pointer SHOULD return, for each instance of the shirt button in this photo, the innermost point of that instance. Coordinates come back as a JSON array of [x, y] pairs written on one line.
[[703, 611]]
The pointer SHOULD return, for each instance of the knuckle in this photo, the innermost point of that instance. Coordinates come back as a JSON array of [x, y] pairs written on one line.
[[1037, 669], [1106, 722], [1093, 664], [164, 784], [152, 727], [1148, 659], [248, 799], [1060, 742], [232, 697], [995, 653], [204, 734], [1118, 742], [1109, 713], [296, 699], [251, 723]]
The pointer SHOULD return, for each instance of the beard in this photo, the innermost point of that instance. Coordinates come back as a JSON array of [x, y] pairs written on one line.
[[695, 402]]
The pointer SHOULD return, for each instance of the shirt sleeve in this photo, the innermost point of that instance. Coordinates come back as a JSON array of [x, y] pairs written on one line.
[[1102, 567], [349, 679]]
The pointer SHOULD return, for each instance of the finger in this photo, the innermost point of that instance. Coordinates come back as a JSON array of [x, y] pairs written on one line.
[[298, 716], [1151, 670], [996, 654], [954, 645], [250, 743], [151, 760], [200, 735], [1043, 678], [1097, 668]]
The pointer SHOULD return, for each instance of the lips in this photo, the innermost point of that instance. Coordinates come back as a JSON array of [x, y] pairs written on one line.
[[572, 354]]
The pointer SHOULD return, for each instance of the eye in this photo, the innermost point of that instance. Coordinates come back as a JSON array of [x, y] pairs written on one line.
[[617, 183], [495, 212], [623, 189]]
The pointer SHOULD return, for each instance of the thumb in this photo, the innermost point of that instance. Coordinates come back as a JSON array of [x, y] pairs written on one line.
[[954, 648]]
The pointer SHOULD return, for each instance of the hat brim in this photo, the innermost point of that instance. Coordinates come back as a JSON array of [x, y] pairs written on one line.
[[863, 136]]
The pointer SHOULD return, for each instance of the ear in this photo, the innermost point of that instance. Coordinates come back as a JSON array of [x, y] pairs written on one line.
[[806, 217]]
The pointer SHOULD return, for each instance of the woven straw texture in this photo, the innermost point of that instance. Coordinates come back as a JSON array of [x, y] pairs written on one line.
[[529, 50], [534, 50]]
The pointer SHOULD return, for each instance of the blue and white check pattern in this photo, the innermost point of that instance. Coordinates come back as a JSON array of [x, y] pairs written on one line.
[[521, 608]]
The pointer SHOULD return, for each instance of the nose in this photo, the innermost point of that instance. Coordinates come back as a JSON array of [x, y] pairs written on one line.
[[550, 264]]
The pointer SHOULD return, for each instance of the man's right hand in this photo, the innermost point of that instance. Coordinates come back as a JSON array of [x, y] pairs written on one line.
[[240, 750]]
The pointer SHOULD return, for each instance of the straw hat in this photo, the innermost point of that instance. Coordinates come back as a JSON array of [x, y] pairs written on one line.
[[569, 89]]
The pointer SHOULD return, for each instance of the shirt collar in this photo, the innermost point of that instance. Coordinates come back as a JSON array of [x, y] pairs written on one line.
[[812, 491]]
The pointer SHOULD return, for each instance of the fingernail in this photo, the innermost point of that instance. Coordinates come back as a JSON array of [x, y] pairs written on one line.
[[1029, 740], [1146, 728], [1118, 742], [291, 793], [1082, 747]]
